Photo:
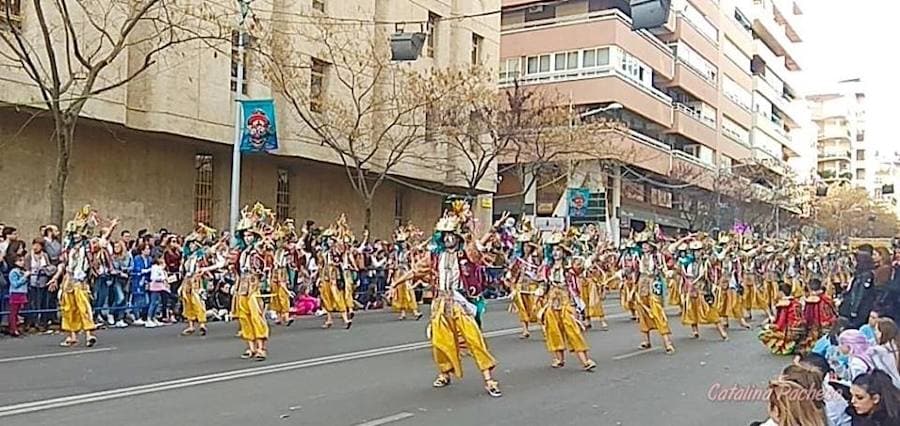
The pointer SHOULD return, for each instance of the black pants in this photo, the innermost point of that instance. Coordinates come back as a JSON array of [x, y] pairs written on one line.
[[170, 300], [41, 299]]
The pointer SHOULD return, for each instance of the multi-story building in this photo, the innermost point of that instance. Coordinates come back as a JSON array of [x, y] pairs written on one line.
[[844, 154], [157, 151], [711, 92], [887, 182]]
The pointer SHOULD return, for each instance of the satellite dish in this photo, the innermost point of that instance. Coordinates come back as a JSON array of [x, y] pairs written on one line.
[[647, 14], [406, 46]]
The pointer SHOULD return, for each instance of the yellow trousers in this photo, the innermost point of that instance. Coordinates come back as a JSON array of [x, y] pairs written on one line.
[[626, 295], [75, 306], [673, 285], [333, 299], [449, 323], [404, 299], [696, 312], [562, 331], [194, 308], [253, 323], [651, 314], [281, 299], [592, 295], [524, 305], [729, 304]]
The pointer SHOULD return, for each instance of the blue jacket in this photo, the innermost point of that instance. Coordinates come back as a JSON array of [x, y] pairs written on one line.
[[138, 276], [18, 283]]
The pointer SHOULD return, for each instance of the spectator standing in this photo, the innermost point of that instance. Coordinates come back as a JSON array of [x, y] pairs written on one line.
[[52, 245], [101, 267], [18, 293], [140, 279], [122, 265], [885, 355], [172, 257], [158, 287], [859, 299], [855, 346], [40, 296]]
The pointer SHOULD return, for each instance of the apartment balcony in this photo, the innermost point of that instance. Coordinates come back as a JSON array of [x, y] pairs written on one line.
[[710, 8], [687, 31], [770, 161], [762, 17], [835, 132], [690, 80], [773, 128], [595, 29], [692, 125], [606, 84], [773, 62], [732, 108], [791, 109]]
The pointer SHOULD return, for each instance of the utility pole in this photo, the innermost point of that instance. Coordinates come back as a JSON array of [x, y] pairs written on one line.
[[235, 206]]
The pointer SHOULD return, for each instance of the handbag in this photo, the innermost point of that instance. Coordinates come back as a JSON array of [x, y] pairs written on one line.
[[171, 279]]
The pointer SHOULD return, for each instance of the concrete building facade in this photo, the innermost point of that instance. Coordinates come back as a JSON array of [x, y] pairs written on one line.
[[844, 154], [711, 91], [156, 152]]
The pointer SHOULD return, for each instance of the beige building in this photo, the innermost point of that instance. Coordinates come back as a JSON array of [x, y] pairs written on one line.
[[844, 153], [887, 182], [156, 152], [711, 91]]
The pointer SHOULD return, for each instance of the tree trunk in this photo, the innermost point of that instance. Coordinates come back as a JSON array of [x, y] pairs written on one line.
[[368, 222], [63, 138]]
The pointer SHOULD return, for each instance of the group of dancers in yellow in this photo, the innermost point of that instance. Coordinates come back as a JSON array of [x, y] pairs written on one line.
[[557, 280]]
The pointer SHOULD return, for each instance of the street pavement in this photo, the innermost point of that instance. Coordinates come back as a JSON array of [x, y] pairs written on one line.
[[377, 373]]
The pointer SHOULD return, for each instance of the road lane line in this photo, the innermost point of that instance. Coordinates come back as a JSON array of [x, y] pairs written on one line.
[[93, 397], [389, 419], [635, 353], [55, 355]]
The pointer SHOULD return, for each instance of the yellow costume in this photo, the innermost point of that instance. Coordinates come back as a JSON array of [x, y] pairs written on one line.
[[696, 311], [75, 306], [650, 311], [562, 330], [674, 288], [593, 293], [404, 298], [450, 324], [281, 297], [194, 309], [249, 308]]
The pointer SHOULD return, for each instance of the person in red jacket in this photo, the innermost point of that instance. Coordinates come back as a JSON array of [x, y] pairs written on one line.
[[819, 312], [787, 328]]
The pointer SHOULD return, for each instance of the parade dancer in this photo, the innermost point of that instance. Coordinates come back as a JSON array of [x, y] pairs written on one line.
[[333, 285], [452, 316], [75, 270], [195, 268], [598, 274], [650, 288], [523, 278], [628, 264], [562, 330], [403, 296], [283, 266], [697, 290], [729, 299], [786, 329], [253, 230]]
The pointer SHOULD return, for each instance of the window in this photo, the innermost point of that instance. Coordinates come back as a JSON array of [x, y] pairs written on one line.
[[861, 155], [633, 191], [737, 94], [700, 22], [235, 45], [565, 61], [860, 174], [735, 131], [431, 33], [538, 13], [283, 195], [317, 84], [537, 64], [635, 69], [736, 55], [477, 42], [595, 57], [860, 136], [510, 69], [399, 210], [15, 13], [697, 62], [318, 5], [203, 188], [662, 198]]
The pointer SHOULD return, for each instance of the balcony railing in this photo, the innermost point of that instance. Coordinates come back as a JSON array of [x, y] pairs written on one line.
[[832, 154], [586, 73], [710, 122], [737, 137], [692, 159]]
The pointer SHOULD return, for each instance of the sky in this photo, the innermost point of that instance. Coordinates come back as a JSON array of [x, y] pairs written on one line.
[[847, 39]]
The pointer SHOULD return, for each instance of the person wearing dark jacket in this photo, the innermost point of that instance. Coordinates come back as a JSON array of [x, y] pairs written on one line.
[[859, 299], [874, 400]]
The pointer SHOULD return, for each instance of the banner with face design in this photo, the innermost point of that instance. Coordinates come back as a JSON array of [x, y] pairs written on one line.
[[258, 126]]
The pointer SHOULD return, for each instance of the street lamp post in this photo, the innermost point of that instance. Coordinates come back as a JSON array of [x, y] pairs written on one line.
[[235, 205]]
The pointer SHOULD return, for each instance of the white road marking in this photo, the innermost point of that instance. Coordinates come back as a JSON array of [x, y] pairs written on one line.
[[635, 353], [389, 419], [55, 355], [93, 397]]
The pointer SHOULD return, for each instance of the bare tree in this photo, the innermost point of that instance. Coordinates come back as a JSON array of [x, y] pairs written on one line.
[[73, 52], [850, 212], [490, 132], [369, 112]]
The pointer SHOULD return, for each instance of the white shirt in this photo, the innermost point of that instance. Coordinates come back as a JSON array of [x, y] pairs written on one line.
[[835, 406], [885, 359]]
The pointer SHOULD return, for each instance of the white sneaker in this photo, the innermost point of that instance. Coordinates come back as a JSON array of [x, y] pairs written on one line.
[[110, 320], [121, 324], [138, 322], [150, 324]]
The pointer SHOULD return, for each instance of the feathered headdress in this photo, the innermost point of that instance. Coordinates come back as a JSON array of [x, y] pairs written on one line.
[[285, 231], [203, 235], [340, 230], [258, 219], [84, 223], [456, 218], [526, 232]]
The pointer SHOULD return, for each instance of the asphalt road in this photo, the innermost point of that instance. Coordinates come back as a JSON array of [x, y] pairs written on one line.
[[379, 372]]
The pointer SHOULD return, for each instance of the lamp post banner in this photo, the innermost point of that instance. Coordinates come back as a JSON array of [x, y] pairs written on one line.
[[258, 126]]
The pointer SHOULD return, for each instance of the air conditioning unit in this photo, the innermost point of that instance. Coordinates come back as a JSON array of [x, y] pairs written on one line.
[[647, 14]]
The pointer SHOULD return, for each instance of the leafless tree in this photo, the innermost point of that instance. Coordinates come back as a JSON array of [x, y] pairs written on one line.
[[74, 51]]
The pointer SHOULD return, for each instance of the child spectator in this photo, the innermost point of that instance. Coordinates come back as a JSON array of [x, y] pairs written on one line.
[[18, 293], [140, 278], [158, 287]]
